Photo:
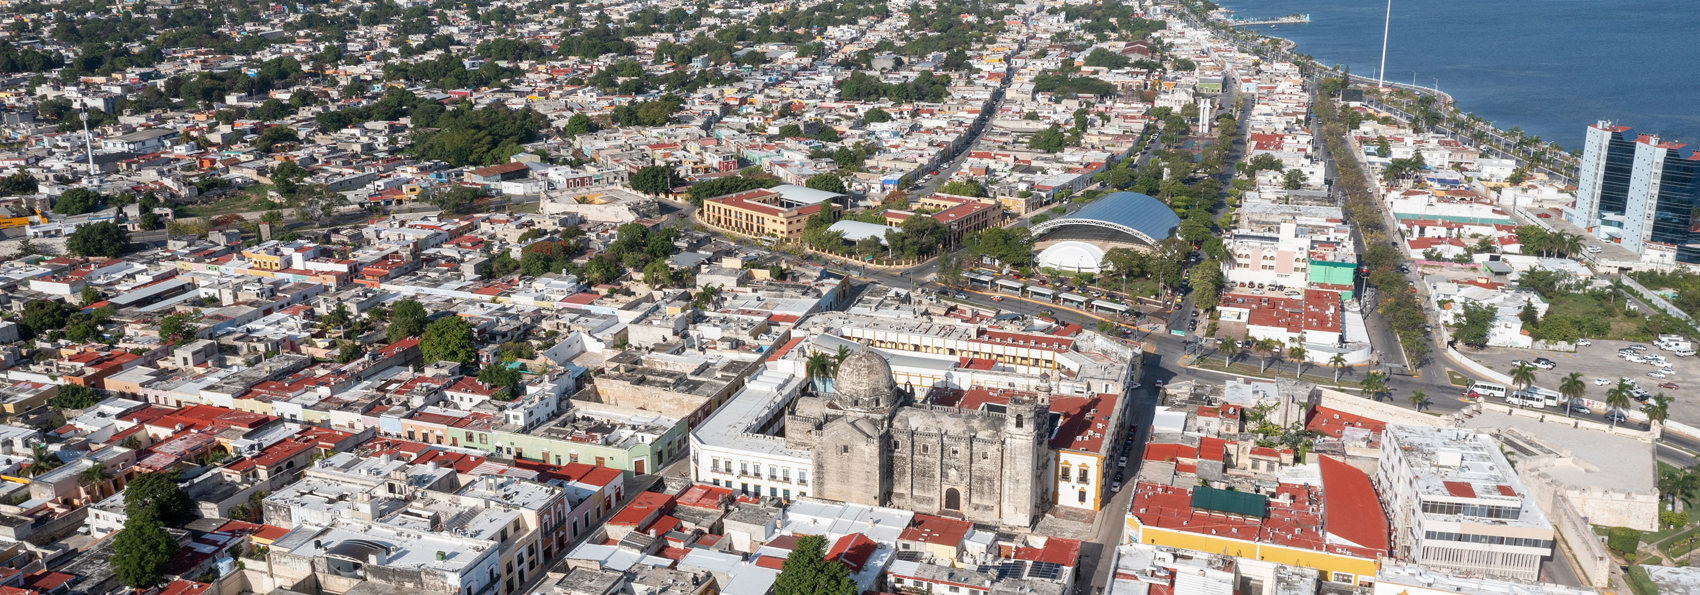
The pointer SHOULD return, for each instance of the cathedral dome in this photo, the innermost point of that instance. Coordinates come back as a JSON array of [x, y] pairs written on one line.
[[864, 381]]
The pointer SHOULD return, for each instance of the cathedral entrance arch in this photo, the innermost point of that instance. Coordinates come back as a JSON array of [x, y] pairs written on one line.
[[952, 500]]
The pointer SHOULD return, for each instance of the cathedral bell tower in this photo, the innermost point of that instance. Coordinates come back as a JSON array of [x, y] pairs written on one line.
[[1027, 456]]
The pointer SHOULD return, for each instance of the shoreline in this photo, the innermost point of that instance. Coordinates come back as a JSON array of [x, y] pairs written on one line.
[[1557, 162]]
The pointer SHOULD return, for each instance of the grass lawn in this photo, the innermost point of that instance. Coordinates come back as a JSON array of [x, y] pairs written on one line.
[[1624, 326], [1639, 583], [252, 198], [1457, 379]]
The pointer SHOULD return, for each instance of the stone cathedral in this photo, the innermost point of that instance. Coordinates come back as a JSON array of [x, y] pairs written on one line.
[[872, 445]]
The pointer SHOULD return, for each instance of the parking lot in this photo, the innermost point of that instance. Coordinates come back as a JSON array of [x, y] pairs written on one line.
[[1599, 361]]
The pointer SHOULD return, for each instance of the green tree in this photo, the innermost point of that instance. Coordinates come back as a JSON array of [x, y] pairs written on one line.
[[807, 571], [657, 273], [178, 328], [74, 396], [1418, 399], [42, 316], [1657, 408], [579, 124], [1573, 388], [407, 319], [89, 296], [826, 182], [77, 201], [963, 188], [41, 461], [274, 136], [506, 379], [1293, 179], [1523, 375], [157, 496], [1374, 385], [1617, 398], [876, 115], [1338, 361], [655, 179], [1473, 329], [349, 351], [1297, 353], [458, 199], [104, 239], [448, 339], [140, 552], [819, 368], [1049, 140]]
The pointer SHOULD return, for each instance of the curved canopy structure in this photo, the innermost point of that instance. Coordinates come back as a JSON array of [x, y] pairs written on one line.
[[1072, 257], [1121, 216]]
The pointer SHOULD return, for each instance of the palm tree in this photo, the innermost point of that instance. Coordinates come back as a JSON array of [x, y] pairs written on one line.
[[1523, 375], [1267, 348], [1338, 361], [1297, 354], [1687, 485], [1617, 398], [819, 368], [1670, 483], [1418, 399], [93, 477], [41, 461], [1227, 346], [843, 352], [1374, 383], [1572, 388], [1657, 410]]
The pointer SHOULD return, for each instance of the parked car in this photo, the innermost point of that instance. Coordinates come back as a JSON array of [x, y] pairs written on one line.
[[1617, 417], [1583, 342], [1545, 364], [1544, 215], [1592, 249], [1657, 374], [1602, 381], [1669, 385]]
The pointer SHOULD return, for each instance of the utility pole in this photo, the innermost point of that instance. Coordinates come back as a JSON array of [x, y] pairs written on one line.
[[1386, 27]]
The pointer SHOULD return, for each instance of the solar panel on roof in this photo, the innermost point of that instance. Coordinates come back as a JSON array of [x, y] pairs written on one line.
[[1004, 570], [1045, 570], [908, 556]]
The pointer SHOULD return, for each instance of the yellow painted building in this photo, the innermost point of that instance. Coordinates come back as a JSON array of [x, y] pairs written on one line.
[[1333, 566]]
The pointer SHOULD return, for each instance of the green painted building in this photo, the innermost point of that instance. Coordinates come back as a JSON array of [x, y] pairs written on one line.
[[1328, 272]]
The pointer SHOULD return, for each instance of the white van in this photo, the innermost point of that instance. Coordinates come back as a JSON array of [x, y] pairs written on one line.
[[1546, 395], [1524, 398], [1485, 389], [1684, 352]]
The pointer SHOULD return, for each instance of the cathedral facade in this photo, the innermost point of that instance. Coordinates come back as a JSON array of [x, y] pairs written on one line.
[[872, 445]]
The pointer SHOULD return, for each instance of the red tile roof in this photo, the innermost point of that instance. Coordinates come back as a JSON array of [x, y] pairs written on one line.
[[1350, 508], [931, 529], [852, 551]]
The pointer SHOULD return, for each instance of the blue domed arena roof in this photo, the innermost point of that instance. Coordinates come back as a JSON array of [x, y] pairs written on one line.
[[1146, 219]]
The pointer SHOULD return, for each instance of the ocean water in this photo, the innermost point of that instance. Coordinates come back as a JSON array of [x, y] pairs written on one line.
[[1550, 67]]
